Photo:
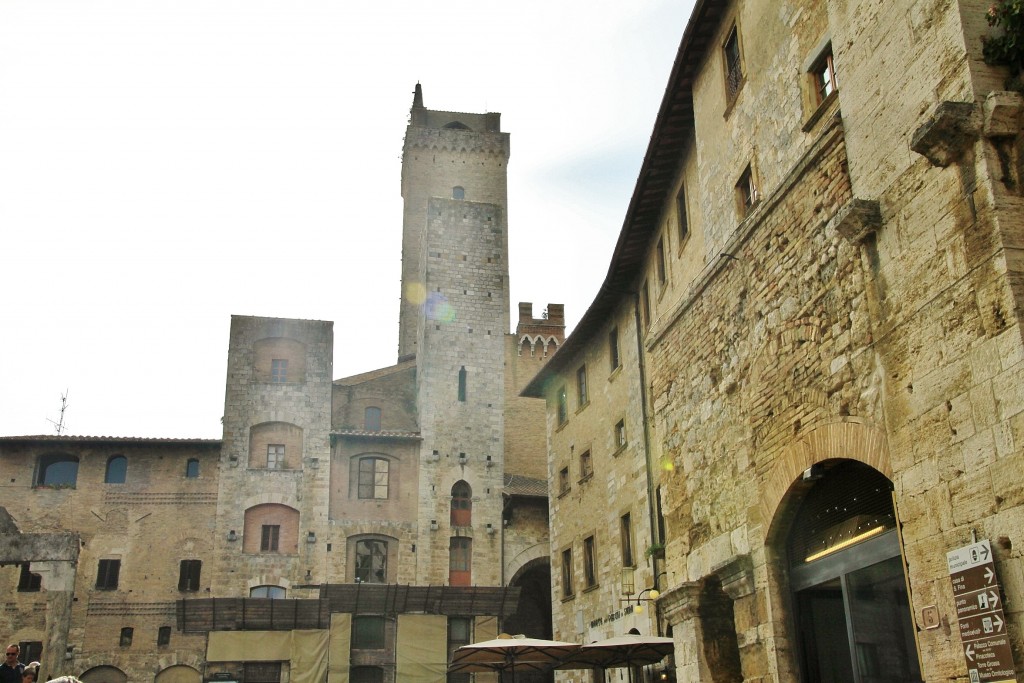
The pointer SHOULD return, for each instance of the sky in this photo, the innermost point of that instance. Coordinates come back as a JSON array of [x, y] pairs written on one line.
[[165, 165]]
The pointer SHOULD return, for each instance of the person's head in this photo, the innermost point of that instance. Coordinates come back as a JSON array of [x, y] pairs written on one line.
[[13, 650], [29, 674]]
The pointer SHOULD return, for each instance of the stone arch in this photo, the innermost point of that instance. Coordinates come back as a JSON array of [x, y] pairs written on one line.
[[532, 615], [286, 435], [269, 580], [104, 673], [284, 517], [265, 497], [178, 673], [269, 349], [456, 125], [526, 559], [849, 438]]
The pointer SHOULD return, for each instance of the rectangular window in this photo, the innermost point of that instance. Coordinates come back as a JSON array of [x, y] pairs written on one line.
[[567, 589], [367, 633], [30, 651], [682, 217], [269, 538], [371, 561], [824, 75], [373, 478], [460, 561], [261, 672], [746, 192], [127, 633], [462, 384], [613, 349], [733, 65], [659, 261], [278, 370], [188, 575], [586, 465], [275, 456], [620, 434], [460, 632], [626, 539], [581, 386], [163, 636], [563, 481], [563, 406], [29, 582], [106, 575], [645, 296], [589, 562]]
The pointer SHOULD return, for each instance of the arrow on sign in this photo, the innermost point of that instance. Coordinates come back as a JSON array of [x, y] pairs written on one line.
[[984, 552], [989, 575], [998, 622], [993, 599], [969, 651]]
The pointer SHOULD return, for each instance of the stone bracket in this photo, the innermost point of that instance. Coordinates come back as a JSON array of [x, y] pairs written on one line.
[[736, 575], [857, 220], [950, 129], [1001, 114]]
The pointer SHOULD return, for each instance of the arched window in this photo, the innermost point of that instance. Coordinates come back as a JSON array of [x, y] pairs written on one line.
[[117, 470], [462, 383], [271, 528], [192, 468], [275, 592], [373, 478], [460, 561], [850, 602], [371, 419], [458, 192], [462, 504], [57, 470]]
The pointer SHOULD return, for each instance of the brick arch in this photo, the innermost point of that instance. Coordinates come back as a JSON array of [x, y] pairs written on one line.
[[104, 673], [178, 673], [284, 516], [848, 438], [262, 497], [269, 580]]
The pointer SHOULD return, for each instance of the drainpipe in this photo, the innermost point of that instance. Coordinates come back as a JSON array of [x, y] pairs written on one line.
[[652, 517]]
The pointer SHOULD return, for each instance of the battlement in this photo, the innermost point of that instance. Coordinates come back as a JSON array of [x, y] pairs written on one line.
[[550, 324]]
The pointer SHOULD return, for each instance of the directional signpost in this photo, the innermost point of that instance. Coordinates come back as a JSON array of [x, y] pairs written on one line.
[[979, 610]]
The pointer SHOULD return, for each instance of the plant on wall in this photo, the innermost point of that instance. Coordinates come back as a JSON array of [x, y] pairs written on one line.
[[1007, 48]]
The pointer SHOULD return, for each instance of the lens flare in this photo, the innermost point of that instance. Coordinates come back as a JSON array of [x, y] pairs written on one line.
[[415, 293], [438, 309]]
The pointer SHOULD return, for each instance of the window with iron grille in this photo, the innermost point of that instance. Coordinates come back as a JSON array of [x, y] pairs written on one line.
[[733, 65], [261, 672]]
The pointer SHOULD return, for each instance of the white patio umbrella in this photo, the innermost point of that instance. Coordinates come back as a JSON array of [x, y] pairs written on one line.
[[511, 653], [621, 651]]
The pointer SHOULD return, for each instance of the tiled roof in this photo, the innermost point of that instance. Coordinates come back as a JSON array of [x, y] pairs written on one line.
[[517, 485], [362, 433], [108, 439]]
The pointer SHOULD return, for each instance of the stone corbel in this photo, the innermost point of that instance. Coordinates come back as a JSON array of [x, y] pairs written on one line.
[[737, 576], [1001, 114], [949, 131], [857, 219], [680, 603]]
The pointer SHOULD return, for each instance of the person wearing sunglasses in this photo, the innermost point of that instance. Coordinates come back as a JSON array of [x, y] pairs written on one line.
[[11, 669]]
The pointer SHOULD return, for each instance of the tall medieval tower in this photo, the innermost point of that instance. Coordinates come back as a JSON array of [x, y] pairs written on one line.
[[454, 316]]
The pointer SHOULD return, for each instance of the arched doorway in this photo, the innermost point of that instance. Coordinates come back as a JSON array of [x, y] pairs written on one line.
[[848, 591], [532, 617], [179, 673], [104, 674]]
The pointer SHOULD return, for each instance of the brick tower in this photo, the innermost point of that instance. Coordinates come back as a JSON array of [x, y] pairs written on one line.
[[454, 317]]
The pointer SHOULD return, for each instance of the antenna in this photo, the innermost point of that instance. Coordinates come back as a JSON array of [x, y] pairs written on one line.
[[59, 425]]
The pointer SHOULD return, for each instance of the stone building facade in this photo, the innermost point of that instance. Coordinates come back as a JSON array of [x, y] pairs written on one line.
[[353, 529], [820, 270]]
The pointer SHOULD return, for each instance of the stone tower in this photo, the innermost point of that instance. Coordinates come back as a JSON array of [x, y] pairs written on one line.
[[455, 313]]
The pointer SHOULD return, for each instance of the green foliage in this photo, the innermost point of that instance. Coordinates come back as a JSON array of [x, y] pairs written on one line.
[[1006, 48]]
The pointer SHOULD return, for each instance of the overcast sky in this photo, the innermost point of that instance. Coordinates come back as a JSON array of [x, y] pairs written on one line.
[[164, 165]]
